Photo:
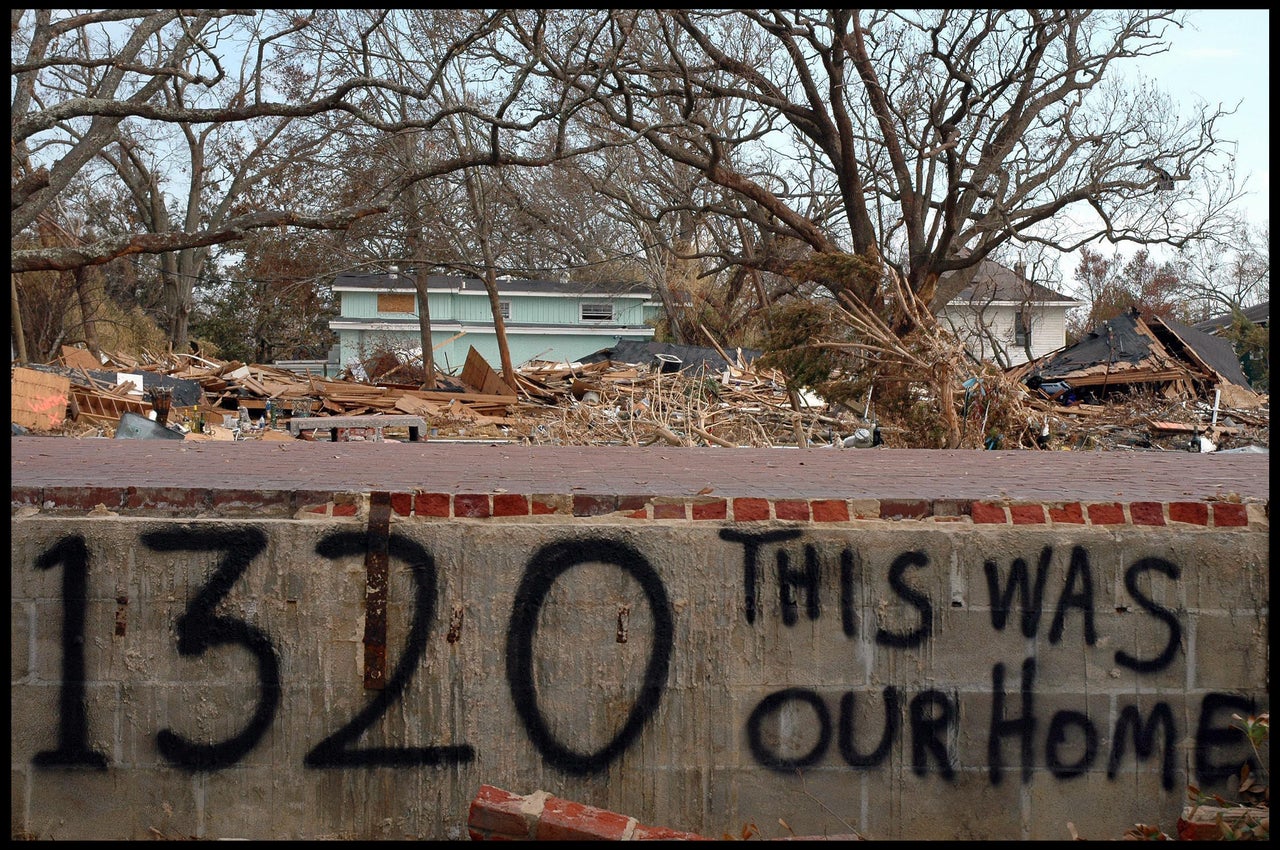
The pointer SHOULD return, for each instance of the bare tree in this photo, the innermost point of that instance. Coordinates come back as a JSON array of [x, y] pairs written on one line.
[[134, 80], [1229, 274], [941, 134]]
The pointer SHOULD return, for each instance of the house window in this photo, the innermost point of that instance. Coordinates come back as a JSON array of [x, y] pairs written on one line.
[[1022, 328], [395, 302], [596, 312], [504, 309]]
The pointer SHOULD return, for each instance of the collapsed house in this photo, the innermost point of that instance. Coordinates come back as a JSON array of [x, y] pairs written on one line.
[[1130, 353]]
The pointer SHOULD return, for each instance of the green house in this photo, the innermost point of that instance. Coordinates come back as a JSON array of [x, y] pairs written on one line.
[[544, 319]]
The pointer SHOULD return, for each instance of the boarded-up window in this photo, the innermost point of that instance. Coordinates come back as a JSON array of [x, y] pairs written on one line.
[[395, 302], [597, 312]]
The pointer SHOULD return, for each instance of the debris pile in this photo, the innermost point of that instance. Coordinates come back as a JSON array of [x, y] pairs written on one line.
[[1152, 390]]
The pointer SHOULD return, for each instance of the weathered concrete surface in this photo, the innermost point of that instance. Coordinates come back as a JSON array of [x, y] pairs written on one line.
[[698, 675]]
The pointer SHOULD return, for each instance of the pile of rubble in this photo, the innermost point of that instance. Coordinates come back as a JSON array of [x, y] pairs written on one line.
[[645, 397]]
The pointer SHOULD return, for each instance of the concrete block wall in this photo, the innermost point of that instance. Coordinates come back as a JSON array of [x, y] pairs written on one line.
[[333, 665]]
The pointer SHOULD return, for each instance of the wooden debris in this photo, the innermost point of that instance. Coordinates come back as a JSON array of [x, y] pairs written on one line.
[[39, 399], [616, 403]]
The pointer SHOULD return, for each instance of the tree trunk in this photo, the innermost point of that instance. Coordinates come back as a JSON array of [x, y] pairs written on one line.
[[499, 326], [90, 294], [19, 337], [424, 327]]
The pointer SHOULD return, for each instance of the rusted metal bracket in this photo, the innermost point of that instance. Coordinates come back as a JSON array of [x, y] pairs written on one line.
[[375, 591]]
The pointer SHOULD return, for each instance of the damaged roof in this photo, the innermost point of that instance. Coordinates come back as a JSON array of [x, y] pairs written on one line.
[[1128, 349], [1216, 352], [1258, 314], [692, 357]]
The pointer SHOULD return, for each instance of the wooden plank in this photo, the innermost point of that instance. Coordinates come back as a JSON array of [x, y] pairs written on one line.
[[477, 372], [39, 399], [79, 358]]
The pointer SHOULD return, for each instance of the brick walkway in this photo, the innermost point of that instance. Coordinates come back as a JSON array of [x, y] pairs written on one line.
[[483, 478]]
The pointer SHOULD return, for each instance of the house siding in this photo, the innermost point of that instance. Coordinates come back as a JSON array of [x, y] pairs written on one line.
[[544, 327], [1048, 329]]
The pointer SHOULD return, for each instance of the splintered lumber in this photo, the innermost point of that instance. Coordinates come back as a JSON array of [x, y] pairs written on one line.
[[477, 373]]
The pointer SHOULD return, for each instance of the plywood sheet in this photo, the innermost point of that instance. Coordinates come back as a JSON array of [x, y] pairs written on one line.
[[39, 399]]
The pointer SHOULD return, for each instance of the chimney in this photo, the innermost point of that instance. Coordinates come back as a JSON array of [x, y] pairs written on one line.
[[393, 271]]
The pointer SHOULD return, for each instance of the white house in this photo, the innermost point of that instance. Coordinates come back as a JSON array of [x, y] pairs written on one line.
[[1005, 318]]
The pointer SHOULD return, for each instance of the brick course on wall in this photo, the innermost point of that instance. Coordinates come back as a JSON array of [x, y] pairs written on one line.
[[303, 504]]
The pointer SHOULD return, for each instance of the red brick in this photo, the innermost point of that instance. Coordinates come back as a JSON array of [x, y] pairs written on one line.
[[1070, 512], [668, 510], [632, 503], [904, 508], [1106, 514], [344, 510], [544, 504], [496, 811], [1147, 513], [510, 504], [168, 498], [747, 509], [474, 505], [1196, 513], [793, 509], [565, 820], [402, 503], [26, 496], [949, 508], [661, 833], [640, 514], [268, 502], [311, 499], [1228, 514], [431, 504], [1026, 514], [714, 509], [829, 510], [84, 497], [594, 505], [987, 512]]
